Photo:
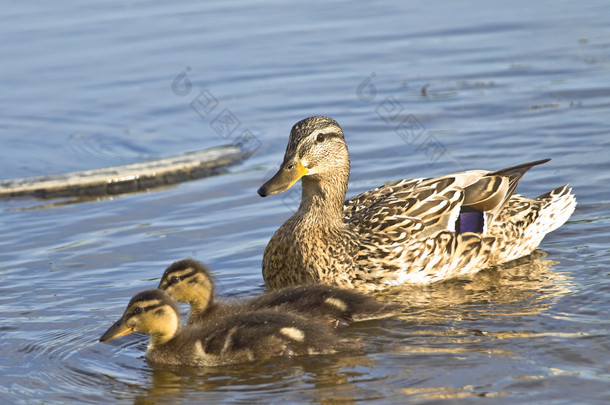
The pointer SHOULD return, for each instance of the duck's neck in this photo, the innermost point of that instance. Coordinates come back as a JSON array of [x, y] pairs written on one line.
[[166, 330], [322, 198], [203, 299], [200, 309]]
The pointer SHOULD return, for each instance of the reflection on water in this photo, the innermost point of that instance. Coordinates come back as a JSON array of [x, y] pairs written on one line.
[[525, 286], [319, 376]]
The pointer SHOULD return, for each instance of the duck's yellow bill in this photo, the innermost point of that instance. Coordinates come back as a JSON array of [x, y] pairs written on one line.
[[283, 179]]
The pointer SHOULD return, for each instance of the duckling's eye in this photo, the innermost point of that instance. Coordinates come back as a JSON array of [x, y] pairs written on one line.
[[137, 310], [174, 280], [290, 166], [320, 138]]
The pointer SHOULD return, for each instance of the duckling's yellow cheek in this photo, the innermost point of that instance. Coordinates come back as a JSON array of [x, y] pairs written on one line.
[[132, 323], [180, 295], [170, 290]]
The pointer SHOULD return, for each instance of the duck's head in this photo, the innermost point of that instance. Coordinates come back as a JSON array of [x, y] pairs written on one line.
[[189, 281], [151, 312], [316, 149]]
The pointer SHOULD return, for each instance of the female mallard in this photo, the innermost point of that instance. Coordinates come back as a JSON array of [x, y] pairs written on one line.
[[408, 231], [233, 338], [190, 281]]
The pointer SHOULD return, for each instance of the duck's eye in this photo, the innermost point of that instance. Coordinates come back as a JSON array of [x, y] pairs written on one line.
[[137, 310], [320, 138], [290, 166], [174, 280]]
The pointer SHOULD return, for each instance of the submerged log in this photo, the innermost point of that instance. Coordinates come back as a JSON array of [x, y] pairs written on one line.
[[125, 179]]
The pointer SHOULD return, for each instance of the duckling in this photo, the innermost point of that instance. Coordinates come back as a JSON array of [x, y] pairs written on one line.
[[412, 231], [247, 336], [190, 281]]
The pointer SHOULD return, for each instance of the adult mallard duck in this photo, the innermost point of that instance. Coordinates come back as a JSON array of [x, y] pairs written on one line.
[[408, 231], [233, 338], [190, 281]]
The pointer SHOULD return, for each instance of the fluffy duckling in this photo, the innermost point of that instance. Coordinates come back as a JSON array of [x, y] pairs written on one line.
[[242, 337], [190, 281]]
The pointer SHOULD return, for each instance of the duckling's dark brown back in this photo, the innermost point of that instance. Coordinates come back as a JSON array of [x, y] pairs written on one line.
[[249, 337], [271, 333], [332, 304]]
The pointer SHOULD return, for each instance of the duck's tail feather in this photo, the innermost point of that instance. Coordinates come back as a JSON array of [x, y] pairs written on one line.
[[558, 206]]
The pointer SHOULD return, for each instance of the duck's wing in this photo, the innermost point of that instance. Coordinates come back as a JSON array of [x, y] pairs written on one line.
[[461, 202], [490, 192], [368, 199], [422, 210]]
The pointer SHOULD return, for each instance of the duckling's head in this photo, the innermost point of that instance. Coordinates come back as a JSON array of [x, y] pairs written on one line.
[[189, 281], [151, 312], [316, 149]]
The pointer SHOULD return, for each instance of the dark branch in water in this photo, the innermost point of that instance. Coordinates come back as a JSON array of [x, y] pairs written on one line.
[[125, 179]]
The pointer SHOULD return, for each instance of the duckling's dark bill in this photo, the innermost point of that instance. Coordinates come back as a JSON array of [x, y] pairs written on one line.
[[118, 329], [284, 178]]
